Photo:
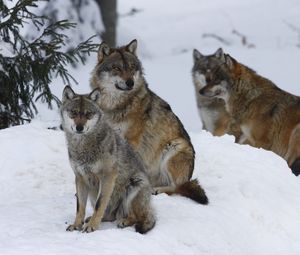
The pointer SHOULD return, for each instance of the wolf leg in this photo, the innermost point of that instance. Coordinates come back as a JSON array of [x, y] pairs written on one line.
[[222, 124], [126, 215], [143, 213], [177, 167], [81, 197], [180, 168], [127, 221], [104, 195]]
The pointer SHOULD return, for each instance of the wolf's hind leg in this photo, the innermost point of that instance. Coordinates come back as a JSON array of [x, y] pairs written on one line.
[[143, 212], [164, 189], [127, 221], [180, 165], [176, 166]]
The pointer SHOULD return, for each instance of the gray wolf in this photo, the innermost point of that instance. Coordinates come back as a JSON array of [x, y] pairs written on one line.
[[268, 117], [106, 168], [146, 121], [213, 114]]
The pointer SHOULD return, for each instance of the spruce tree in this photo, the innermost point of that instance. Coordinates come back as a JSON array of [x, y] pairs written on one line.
[[27, 66]]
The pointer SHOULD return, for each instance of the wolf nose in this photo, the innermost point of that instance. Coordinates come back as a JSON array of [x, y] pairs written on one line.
[[129, 83], [201, 91], [79, 128]]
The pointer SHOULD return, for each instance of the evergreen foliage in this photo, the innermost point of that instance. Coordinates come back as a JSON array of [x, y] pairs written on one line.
[[28, 66]]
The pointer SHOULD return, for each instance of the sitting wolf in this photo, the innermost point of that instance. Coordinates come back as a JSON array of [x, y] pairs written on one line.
[[146, 121], [105, 166]]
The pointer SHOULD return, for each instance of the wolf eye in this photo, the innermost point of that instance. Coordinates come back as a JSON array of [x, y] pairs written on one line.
[[74, 112], [89, 114], [105, 69], [116, 68], [133, 67]]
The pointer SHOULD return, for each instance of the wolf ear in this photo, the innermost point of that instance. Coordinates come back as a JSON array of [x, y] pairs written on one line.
[[132, 46], [197, 55], [95, 95], [220, 54], [229, 61], [68, 93], [104, 50]]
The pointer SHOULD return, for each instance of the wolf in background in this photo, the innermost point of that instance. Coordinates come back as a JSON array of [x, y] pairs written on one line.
[[146, 121], [106, 168], [213, 114], [268, 117]]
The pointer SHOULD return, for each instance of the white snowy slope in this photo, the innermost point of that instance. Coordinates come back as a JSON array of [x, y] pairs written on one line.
[[254, 204]]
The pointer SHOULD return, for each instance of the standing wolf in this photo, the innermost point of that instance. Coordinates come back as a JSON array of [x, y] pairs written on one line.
[[145, 121], [268, 117], [105, 166], [213, 114]]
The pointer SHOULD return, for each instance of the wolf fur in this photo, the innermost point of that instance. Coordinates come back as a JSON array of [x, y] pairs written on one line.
[[213, 114], [106, 168], [146, 121], [268, 117]]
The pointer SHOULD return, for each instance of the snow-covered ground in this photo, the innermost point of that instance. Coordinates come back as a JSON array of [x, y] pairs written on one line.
[[254, 199], [254, 202]]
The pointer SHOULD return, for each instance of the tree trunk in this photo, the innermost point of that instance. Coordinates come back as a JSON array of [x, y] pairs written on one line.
[[108, 9]]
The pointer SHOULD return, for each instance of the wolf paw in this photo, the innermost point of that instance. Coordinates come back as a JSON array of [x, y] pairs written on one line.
[[88, 229], [125, 222], [144, 227], [73, 227], [156, 191]]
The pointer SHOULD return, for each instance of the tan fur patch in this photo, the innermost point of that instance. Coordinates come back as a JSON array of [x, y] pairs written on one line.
[[268, 116]]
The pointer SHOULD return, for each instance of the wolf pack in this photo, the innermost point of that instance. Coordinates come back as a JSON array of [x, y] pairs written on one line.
[[125, 143]]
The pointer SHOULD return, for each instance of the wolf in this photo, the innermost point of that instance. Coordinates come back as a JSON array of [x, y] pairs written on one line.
[[213, 114], [268, 117], [106, 168], [146, 121]]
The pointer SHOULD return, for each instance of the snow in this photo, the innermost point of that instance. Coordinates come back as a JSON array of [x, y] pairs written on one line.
[[254, 198], [254, 202]]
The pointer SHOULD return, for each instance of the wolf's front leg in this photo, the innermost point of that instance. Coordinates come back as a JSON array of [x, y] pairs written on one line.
[[103, 198], [81, 196]]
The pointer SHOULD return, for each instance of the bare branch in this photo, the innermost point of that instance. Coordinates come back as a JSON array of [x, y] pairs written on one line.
[[217, 37]]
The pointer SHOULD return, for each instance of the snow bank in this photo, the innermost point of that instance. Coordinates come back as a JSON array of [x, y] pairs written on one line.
[[254, 203]]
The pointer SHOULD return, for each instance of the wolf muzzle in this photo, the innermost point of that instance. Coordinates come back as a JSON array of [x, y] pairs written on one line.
[[128, 85]]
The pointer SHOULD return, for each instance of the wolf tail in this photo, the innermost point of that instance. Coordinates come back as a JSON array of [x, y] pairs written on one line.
[[193, 190], [292, 155], [296, 167]]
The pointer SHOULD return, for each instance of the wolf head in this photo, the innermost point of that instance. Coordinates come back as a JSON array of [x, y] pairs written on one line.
[[219, 82], [118, 73], [213, 74], [80, 113], [204, 66]]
